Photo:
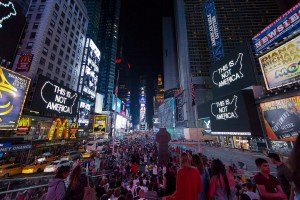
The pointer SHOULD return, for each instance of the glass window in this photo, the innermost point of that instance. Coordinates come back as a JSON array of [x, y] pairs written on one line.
[[68, 21], [61, 53], [38, 16], [56, 7], [29, 16], [52, 23], [59, 30], [39, 71], [62, 82], [50, 66], [69, 78], [52, 57], [45, 51], [59, 61], [42, 61], [63, 74], [47, 41], [50, 32], [48, 75], [29, 45], [32, 35], [63, 44], [67, 29], [70, 42], [41, 8], [56, 38], [61, 22], [54, 15], [65, 66], [63, 15], [35, 26], [64, 7], [55, 47], [32, 8], [57, 70]]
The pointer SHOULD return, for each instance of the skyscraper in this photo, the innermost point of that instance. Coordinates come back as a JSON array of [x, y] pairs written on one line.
[[108, 43], [238, 21]]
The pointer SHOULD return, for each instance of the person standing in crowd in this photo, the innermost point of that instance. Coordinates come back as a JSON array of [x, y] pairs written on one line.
[[294, 163], [222, 186], [169, 181], [198, 163], [78, 181], [188, 182], [267, 185], [57, 188], [150, 194], [249, 194], [282, 173]]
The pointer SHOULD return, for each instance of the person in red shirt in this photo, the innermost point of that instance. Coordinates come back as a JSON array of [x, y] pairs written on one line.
[[188, 182], [134, 169], [267, 185]]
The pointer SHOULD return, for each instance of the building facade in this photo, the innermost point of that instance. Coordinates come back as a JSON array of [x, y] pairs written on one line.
[[55, 37]]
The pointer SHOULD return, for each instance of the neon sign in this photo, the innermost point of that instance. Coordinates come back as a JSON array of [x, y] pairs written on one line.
[[12, 12]]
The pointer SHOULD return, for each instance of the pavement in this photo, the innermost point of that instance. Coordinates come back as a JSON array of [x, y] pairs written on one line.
[[229, 156]]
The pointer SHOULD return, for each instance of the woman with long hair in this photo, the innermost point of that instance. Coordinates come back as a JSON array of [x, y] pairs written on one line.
[[294, 163], [169, 180], [198, 163], [222, 187], [78, 181], [188, 181]]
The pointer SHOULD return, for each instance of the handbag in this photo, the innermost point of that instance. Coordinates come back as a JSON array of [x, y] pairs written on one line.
[[89, 192]]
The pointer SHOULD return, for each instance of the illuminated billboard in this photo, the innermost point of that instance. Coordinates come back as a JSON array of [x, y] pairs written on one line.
[[90, 70], [12, 22], [84, 113], [281, 66], [13, 91], [282, 118], [100, 123], [213, 30], [233, 72], [282, 27], [52, 97], [24, 62]]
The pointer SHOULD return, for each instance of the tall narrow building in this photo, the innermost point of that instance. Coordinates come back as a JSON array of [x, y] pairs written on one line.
[[238, 21], [108, 43]]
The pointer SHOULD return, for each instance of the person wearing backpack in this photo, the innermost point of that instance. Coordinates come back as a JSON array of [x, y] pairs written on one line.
[[57, 188]]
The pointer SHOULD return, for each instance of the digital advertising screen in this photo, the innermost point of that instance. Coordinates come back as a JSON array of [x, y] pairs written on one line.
[[282, 118], [100, 122], [281, 66], [84, 113], [283, 26], [13, 91], [24, 62], [52, 97], [234, 114], [213, 30], [12, 23], [91, 60], [233, 72]]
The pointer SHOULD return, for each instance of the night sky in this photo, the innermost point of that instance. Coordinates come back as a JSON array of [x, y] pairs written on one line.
[[141, 40]]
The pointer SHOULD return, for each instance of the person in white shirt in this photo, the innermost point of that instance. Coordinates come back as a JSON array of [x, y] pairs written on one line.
[[141, 194], [155, 170]]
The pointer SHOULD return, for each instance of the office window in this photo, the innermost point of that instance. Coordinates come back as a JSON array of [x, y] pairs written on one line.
[[56, 7], [48, 75], [55, 47], [47, 41], [50, 66], [32, 35], [32, 8], [54, 15], [42, 61], [61, 53], [50, 32], [67, 29], [67, 57], [63, 74], [59, 30], [68, 49], [41, 8], [52, 57], [64, 7], [52, 23], [57, 70], [29, 45], [45, 51], [63, 44], [61, 22], [56, 38], [70, 42], [38, 16], [35, 26], [39, 71], [62, 82], [29, 17], [62, 14], [59, 61]]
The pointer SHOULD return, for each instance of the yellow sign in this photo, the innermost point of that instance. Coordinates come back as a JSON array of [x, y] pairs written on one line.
[[61, 127], [73, 130], [100, 124], [24, 122], [282, 65]]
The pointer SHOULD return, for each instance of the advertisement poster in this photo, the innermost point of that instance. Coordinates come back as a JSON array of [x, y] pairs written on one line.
[[100, 124], [53, 97], [282, 118], [213, 31], [282, 27], [84, 113], [13, 91], [24, 62], [233, 72], [281, 66]]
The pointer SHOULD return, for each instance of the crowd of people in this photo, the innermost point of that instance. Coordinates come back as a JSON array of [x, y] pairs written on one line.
[[136, 174]]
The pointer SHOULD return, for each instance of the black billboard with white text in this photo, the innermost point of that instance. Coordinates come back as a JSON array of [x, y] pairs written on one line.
[[234, 72], [52, 97]]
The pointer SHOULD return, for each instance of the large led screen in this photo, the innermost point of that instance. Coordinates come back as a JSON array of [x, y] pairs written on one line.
[[282, 118], [100, 123], [12, 22], [234, 114], [282, 27], [84, 113], [234, 72], [52, 97], [281, 66], [13, 91]]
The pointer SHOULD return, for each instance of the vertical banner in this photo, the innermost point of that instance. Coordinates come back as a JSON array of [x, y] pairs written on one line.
[[24, 62], [213, 31]]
